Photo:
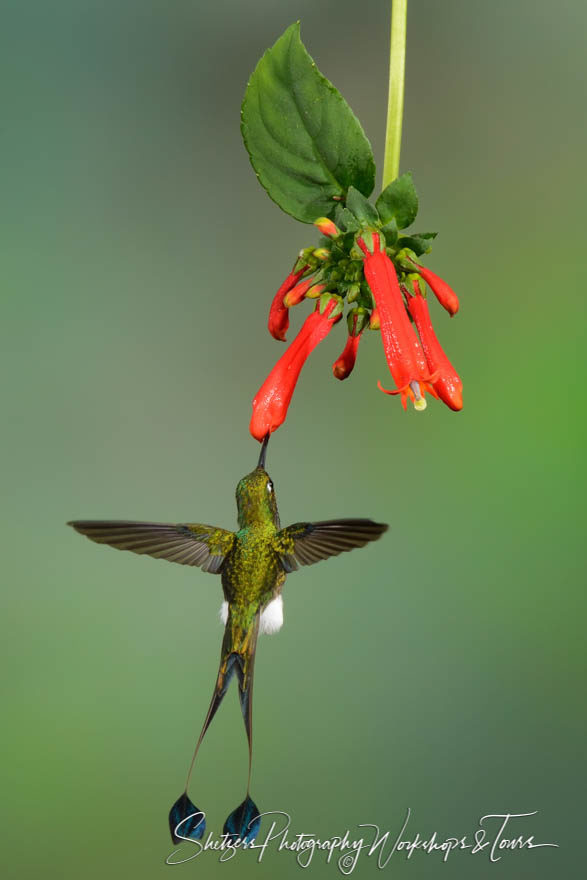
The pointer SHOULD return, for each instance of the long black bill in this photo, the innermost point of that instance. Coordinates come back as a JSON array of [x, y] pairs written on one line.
[[263, 454]]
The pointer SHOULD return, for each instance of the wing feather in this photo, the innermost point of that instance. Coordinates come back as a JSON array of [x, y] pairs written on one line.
[[306, 543], [185, 543]]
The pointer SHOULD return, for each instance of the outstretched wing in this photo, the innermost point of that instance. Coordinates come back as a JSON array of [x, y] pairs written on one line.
[[186, 543], [307, 543]]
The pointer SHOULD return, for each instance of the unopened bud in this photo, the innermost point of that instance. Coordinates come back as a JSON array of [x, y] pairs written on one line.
[[353, 292], [315, 291], [354, 271], [374, 322], [327, 227]]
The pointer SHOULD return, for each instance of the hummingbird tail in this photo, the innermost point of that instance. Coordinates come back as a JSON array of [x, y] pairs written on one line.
[[245, 695], [240, 661]]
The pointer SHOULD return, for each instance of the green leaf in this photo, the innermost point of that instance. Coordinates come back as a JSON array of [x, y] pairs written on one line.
[[304, 141], [361, 208], [345, 220], [390, 232], [399, 200], [419, 242]]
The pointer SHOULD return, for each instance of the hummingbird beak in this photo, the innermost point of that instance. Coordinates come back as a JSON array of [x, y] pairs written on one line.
[[263, 454]]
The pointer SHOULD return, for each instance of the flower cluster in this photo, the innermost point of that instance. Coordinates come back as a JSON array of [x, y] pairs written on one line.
[[376, 270], [416, 364]]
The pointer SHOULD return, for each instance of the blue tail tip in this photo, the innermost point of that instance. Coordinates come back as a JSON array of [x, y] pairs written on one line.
[[186, 821], [243, 823]]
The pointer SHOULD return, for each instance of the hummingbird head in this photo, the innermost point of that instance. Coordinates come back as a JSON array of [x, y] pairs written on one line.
[[255, 499], [255, 496]]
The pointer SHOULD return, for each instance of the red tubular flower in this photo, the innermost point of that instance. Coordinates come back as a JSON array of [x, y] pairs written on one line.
[[404, 354], [344, 365], [441, 290], [278, 313], [273, 397], [447, 382]]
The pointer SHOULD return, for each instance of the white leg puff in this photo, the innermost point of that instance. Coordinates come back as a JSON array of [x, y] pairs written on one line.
[[272, 617]]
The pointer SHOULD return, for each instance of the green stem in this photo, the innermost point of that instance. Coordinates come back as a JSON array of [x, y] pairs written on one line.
[[395, 100]]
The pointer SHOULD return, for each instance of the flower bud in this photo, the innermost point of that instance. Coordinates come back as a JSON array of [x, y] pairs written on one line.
[[315, 290], [327, 227], [374, 322], [353, 292]]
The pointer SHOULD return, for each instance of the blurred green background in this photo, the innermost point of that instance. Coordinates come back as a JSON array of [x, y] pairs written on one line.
[[442, 669]]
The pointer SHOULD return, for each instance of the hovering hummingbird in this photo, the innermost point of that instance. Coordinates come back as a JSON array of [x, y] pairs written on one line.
[[253, 563]]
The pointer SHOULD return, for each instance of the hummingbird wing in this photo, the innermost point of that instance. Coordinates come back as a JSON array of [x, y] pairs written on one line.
[[306, 543], [186, 543]]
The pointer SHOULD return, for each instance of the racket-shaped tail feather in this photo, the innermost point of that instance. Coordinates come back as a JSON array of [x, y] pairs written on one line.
[[237, 657]]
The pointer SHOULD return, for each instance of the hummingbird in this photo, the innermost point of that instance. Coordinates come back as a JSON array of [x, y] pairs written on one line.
[[253, 563]]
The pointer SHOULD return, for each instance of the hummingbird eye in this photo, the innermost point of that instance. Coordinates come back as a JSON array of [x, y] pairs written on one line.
[[270, 487]]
